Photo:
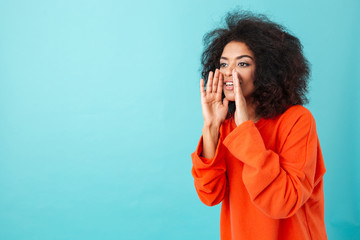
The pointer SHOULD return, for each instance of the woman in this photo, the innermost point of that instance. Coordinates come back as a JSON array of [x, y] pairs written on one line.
[[259, 153]]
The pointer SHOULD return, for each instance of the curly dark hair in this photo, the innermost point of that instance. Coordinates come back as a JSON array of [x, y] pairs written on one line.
[[281, 73]]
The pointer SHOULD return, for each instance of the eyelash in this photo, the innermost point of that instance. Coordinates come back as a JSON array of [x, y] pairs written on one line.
[[242, 64]]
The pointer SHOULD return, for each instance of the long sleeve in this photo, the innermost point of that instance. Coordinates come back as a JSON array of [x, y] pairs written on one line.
[[209, 175], [278, 183]]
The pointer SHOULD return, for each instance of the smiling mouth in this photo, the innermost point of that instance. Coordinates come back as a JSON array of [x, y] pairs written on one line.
[[229, 84]]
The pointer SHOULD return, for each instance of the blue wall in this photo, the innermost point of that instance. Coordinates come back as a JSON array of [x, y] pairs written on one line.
[[100, 110]]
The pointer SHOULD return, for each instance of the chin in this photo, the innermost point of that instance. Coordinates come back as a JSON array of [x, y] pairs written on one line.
[[230, 98]]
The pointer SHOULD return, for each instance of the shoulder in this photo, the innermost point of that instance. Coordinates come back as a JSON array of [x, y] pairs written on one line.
[[296, 119], [297, 113]]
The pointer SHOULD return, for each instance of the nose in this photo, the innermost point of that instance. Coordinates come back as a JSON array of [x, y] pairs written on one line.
[[228, 71]]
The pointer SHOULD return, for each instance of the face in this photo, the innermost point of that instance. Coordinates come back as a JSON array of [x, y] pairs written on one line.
[[236, 55]]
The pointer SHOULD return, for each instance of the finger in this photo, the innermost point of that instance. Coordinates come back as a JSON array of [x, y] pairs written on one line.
[[202, 88], [237, 87], [209, 82], [215, 81], [220, 87]]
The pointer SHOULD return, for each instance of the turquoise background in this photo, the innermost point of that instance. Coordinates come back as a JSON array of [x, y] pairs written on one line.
[[100, 110]]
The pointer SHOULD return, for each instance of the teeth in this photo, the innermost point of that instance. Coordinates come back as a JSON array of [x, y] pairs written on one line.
[[229, 83]]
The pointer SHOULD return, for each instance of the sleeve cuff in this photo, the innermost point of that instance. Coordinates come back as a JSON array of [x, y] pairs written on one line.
[[245, 142], [201, 162], [238, 131]]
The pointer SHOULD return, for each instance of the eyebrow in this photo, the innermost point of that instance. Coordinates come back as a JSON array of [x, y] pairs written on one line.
[[238, 57]]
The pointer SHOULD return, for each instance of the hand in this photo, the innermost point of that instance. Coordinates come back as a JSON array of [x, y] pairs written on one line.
[[241, 114], [213, 108], [214, 111]]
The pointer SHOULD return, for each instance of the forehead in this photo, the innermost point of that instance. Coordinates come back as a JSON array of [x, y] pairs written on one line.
[[234, 49]]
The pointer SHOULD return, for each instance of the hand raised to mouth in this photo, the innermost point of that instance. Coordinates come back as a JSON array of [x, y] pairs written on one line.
[[214, 111], [241, 113], [213, 108]]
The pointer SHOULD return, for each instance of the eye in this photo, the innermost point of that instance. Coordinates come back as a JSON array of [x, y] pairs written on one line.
[[223, 65], [243, 64]]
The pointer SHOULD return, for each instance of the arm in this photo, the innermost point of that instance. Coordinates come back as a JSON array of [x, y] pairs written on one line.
[[210, 141], [214, 111], [208, 166], [278, 183], [209, 174]]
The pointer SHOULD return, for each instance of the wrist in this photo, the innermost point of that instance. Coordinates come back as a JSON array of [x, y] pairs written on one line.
[[240, 118], [210, 125], [241, 121], [211, 132], [212, 129], [210, 140]]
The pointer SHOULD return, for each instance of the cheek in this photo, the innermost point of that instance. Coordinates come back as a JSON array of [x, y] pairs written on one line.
[[249, 77]]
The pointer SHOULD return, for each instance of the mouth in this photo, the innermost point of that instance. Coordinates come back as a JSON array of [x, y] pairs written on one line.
[[229, 86]]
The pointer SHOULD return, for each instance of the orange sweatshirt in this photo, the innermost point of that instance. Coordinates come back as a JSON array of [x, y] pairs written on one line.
[[268, 176]]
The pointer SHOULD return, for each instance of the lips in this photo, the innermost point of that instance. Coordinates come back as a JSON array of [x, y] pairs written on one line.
[[229, 85]]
